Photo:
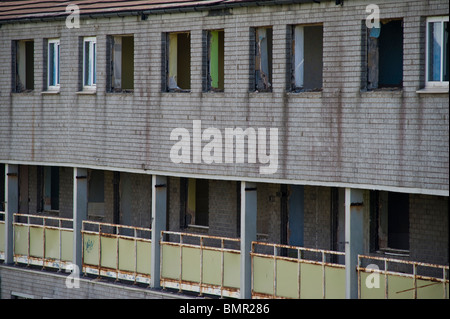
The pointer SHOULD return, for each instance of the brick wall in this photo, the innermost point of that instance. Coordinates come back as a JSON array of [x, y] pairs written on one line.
[[342, 134]]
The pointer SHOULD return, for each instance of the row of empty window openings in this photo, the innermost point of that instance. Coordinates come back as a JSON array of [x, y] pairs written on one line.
[[384, 59]]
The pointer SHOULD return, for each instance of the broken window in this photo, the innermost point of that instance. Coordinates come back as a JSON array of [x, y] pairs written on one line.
[[122, 63], [437, 52], [178, 59], [24, 65], [89, 62], [51, 188], [263, 59], [385, 55], [307, 58], [194, 202], [96, 193], [215, 60], [390, 230], [53, 64]]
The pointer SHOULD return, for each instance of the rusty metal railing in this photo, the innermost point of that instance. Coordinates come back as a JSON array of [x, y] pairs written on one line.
[[401, 283], [45, 238], [192, 264], [295, 269], [114, 254]]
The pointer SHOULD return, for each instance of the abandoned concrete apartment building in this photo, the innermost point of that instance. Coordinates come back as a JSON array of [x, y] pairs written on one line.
[[90, 98]]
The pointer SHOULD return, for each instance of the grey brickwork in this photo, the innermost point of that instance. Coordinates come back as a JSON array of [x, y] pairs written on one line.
[[342, 134], [37, 284]]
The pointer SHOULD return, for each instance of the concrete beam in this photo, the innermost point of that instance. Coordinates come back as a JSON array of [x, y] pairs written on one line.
[[11, 207], [159, 209], [80, 203]]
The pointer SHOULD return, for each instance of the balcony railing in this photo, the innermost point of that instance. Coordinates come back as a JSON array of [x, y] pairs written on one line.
[[43, 240], [117, 251], [283, 271], [200, 263], [402, 279]]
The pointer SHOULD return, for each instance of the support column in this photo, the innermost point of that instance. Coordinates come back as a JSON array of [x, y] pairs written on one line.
[[11, 207], [159, 208], [354, 240], [248, 234], [80, 203]]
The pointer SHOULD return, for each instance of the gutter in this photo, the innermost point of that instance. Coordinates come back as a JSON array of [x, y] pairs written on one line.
[[178, 9]]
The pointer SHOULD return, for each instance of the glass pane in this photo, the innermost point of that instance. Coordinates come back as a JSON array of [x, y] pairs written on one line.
[[57, 63], [51, 64], [446, 51], [87, 66], [434, 51], [94, 64]]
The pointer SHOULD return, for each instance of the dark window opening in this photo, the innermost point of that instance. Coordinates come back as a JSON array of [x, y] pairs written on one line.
[[195, 202], [385, 55], [263, 59], [122, 63], [96, 193], [215, 60], [307, 58], [51, 188], [178, 62], [24, 65]]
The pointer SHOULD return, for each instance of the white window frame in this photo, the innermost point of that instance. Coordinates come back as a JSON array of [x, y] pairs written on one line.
[[441, 83], [56, 61], [92, 62]]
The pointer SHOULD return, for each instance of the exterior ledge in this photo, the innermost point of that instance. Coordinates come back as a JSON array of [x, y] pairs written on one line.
[[87, 92], [433, 90], [50, 92]]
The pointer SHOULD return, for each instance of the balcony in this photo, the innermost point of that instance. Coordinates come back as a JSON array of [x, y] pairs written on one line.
[[211, 265]]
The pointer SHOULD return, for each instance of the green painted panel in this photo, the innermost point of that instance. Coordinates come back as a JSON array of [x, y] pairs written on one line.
[[374, 292], [90, 254], [214, 58], [191, 264], [427, 289], [126, 255], [36, 242], [67, 245], [20, 240], [311, 281], [170, 262], [109, 252], [52, 243], [144, 253], [334, 283], [232, 270], [263, 275], [397, 286], [212, 261], [2, 237], [287, 279]]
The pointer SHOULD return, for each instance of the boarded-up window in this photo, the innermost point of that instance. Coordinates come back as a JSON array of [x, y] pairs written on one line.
[[24, 65], [122, 63], [178, 59], [215, 60], [385, 55], [263, 59], [307, 58]]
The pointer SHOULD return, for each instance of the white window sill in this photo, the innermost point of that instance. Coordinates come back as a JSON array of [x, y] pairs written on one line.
[[433, 90], [87, 92], [50, 92]]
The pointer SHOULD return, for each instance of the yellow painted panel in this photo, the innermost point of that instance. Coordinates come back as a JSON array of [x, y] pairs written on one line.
[[372, 286], [232, 270], [191, 264], [400, 287], [212, 261], [52, 243], [334, 283], [427, 289], [311, 281], [20, 240], [287, 279], [36, 242], [263, 275], [126, 255], [144, 252], [2, 237], [90, 254], [109, 252], [67, 245], [170, 262]]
